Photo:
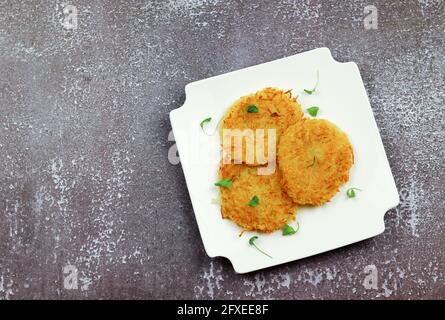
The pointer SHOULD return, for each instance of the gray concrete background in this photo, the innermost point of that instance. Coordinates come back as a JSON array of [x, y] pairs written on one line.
[[84, 175]]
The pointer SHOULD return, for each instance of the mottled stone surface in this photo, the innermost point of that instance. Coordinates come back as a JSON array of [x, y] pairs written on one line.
[[84, 174]]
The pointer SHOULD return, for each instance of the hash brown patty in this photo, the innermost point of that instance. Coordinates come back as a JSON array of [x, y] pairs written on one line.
[[314, 159], [276, 109], [274, 209]]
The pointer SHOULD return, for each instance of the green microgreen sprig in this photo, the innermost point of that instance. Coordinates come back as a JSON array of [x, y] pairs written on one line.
[[289, 230], [308, 91], [254, 201], [252, 243], [350, 193], [225, 183]]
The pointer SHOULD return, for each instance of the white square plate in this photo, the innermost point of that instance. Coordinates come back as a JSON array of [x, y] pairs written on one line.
[[342, 99]]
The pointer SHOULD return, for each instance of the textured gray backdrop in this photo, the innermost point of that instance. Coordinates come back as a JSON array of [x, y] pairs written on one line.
[[84, 175]]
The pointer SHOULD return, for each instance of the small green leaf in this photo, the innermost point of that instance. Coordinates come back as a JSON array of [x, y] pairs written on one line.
[[313, 111], [203, 122], [254, 201], [252, 240], [313, 162], [288, 230], [316, 85], [226, 183], [252, 109], [252, 243], [351, 192]]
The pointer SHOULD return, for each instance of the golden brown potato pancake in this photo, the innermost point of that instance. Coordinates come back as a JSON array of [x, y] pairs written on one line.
[[314, 158], [275, 109], [274, 208]]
